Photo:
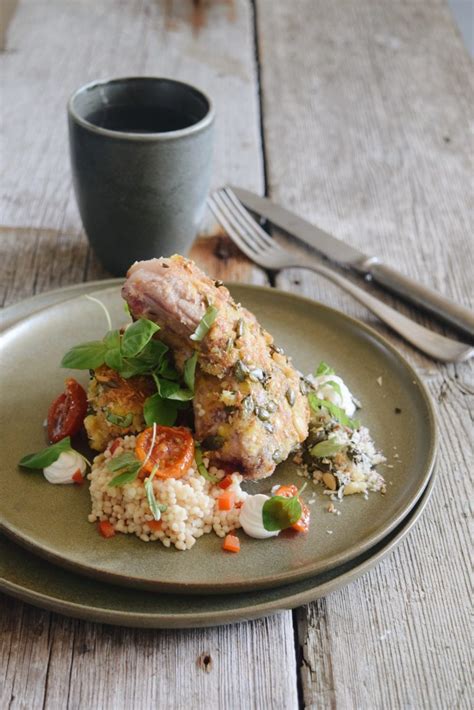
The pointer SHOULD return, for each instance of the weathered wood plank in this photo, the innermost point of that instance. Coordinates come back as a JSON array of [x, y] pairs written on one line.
[[54, 47], [366, 130]]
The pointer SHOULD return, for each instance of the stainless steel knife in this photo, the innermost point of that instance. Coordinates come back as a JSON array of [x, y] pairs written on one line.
[[338, 251]]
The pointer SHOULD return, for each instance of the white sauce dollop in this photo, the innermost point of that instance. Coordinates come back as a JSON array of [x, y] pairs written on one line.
[[64, 468], [326, 391], [251, 517]]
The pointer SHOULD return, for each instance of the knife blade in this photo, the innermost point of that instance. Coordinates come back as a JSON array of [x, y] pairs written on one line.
[[346, 255], [332, 248]]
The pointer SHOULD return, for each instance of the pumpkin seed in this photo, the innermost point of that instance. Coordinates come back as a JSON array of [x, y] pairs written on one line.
[[241, 371], [262, 413], [248, 405], [290, 396], [257, 374], [277, 456]]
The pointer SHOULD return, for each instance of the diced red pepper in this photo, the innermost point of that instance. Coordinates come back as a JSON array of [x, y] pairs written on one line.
[[226, 482], [114, 445], [155, 525], [78, 478], [106, 529]]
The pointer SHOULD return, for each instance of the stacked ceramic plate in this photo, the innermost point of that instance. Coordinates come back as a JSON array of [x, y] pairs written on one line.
[[51, 556]]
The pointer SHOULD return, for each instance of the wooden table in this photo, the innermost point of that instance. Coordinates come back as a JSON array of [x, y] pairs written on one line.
[[355, 114]]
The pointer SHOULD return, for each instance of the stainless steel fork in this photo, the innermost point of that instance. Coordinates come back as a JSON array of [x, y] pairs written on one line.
[[265, 251]]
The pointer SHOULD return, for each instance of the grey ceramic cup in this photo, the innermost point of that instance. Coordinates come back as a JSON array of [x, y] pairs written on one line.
[[140, 193]]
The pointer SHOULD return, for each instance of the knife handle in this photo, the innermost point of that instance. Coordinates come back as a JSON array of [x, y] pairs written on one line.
[[439, 306]]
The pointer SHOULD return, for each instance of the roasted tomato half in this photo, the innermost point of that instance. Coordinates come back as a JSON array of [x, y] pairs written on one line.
[[66, 414], [171, 453]]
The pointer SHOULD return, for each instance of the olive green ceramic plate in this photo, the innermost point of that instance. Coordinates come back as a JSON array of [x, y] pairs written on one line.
[[38, 582], [52, 520]]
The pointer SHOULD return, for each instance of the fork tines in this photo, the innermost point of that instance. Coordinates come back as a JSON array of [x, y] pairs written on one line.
[[240, 225]]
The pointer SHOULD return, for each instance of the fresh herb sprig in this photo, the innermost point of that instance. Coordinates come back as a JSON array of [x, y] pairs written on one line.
[[127, 466], [326, 448], [324, 369], [156, 508], [279, 512], [336, 412], [135, 352], [47, 456], [201, 467], [205, 324]]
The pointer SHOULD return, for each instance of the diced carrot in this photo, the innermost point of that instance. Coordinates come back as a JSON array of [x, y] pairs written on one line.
[[155, 525], [287, 491], [78, 478], [226, 482], [231, 543], [302, 525], [106, 529], [226, 500]]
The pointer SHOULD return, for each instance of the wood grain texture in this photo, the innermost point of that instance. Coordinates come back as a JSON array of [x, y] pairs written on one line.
[[378, 98], [365, 109], [46, 660]]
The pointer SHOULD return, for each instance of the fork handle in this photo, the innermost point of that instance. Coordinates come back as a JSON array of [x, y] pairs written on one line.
[[433, 344]]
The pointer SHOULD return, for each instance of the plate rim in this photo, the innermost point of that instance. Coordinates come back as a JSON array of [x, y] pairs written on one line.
[[276, 579], [286, 599]]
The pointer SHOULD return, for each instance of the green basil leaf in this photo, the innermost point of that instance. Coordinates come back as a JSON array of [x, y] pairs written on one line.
[[167, 370], [137, 336], [86, 356], [166, 388], [113, 358], [128, 476], [125, 460], [112, 339], [335, 385], [205, 324], [190, 371], [280, 513], [132, 367], [160, 411], [201, 467], [118, 419], [153, 353], [181, 395], [171, 390], [156, 508], [335, 412], [326, 448], [324, 369], [47, 456]]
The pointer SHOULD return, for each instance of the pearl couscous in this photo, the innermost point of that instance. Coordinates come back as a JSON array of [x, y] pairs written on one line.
[[191, 503]]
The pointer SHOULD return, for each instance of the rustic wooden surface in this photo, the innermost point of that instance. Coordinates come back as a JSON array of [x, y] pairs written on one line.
[[355, 114]]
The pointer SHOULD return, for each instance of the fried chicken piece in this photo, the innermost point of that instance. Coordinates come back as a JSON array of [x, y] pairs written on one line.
[[248, 409]]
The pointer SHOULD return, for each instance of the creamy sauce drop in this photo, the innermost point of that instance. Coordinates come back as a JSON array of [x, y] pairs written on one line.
[[324, 390], [64, 468], [251, 517]]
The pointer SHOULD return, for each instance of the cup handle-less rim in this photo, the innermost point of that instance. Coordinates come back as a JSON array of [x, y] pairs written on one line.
[[202, 124]]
